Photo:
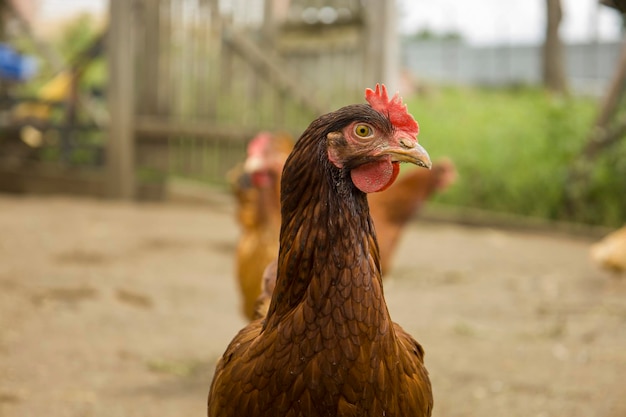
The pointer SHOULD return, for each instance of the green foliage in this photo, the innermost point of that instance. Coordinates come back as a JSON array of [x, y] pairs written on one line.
[[75, 37], [605, 196], [513, 149], [83, 148]]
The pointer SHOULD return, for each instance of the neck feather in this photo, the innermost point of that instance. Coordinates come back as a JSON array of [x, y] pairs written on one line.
[[328, 250]]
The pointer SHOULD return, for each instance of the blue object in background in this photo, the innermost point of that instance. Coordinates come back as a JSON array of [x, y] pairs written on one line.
[[14, 66]]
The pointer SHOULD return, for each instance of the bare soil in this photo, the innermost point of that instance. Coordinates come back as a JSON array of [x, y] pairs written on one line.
[[120, 309]]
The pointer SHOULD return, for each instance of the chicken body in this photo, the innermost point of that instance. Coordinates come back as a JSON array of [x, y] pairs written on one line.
[[610, 252], [327, 346], [259, 218]]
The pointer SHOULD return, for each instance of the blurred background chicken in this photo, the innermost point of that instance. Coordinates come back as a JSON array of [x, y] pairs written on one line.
[[610, 252], [256, 185]]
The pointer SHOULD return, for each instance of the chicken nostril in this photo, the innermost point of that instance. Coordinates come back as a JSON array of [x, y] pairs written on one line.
[[407, 143]]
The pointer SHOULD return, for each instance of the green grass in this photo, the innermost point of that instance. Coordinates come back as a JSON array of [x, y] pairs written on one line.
[[513, 148]]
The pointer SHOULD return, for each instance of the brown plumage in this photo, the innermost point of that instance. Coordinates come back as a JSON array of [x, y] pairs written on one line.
[[327, 346]]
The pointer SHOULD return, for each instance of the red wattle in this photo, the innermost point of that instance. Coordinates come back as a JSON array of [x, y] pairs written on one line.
[[394, 175], [261, 179], [375, 176]]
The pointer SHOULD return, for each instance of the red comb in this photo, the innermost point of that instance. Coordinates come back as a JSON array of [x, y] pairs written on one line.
[[259, 143], [394, 109]]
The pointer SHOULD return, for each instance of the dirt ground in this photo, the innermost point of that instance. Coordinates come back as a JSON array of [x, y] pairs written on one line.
[[118, 309]]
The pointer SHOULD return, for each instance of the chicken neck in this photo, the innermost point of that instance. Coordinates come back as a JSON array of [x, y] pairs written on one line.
[[328, 264]]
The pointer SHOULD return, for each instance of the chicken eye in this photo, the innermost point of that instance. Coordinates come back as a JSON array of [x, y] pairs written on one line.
[[362, 130]]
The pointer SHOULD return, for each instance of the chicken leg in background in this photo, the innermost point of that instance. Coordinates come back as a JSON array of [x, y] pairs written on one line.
[[610, 252], [256, 186], [328, 346], [268, 284]]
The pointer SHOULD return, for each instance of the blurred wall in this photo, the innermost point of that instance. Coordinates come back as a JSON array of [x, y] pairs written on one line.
[[589, 66]]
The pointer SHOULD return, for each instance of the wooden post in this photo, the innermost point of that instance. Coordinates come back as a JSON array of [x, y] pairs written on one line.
[[554, 76], [121, 141], [382, 50], [147, 94]]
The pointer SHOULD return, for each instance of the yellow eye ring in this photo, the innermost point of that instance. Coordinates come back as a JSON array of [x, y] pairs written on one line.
[[362, 130]]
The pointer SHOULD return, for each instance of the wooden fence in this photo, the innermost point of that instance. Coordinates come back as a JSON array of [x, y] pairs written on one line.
[[190, 82]]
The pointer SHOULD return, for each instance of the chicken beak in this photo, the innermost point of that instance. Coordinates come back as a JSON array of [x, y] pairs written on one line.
[[412, 152], [253, 164]]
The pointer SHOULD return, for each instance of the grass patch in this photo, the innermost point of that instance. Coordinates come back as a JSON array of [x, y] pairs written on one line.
[[513, 148]]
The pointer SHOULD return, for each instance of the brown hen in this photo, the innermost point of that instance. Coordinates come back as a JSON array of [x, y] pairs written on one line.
[[327, 346], [258, 244]]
